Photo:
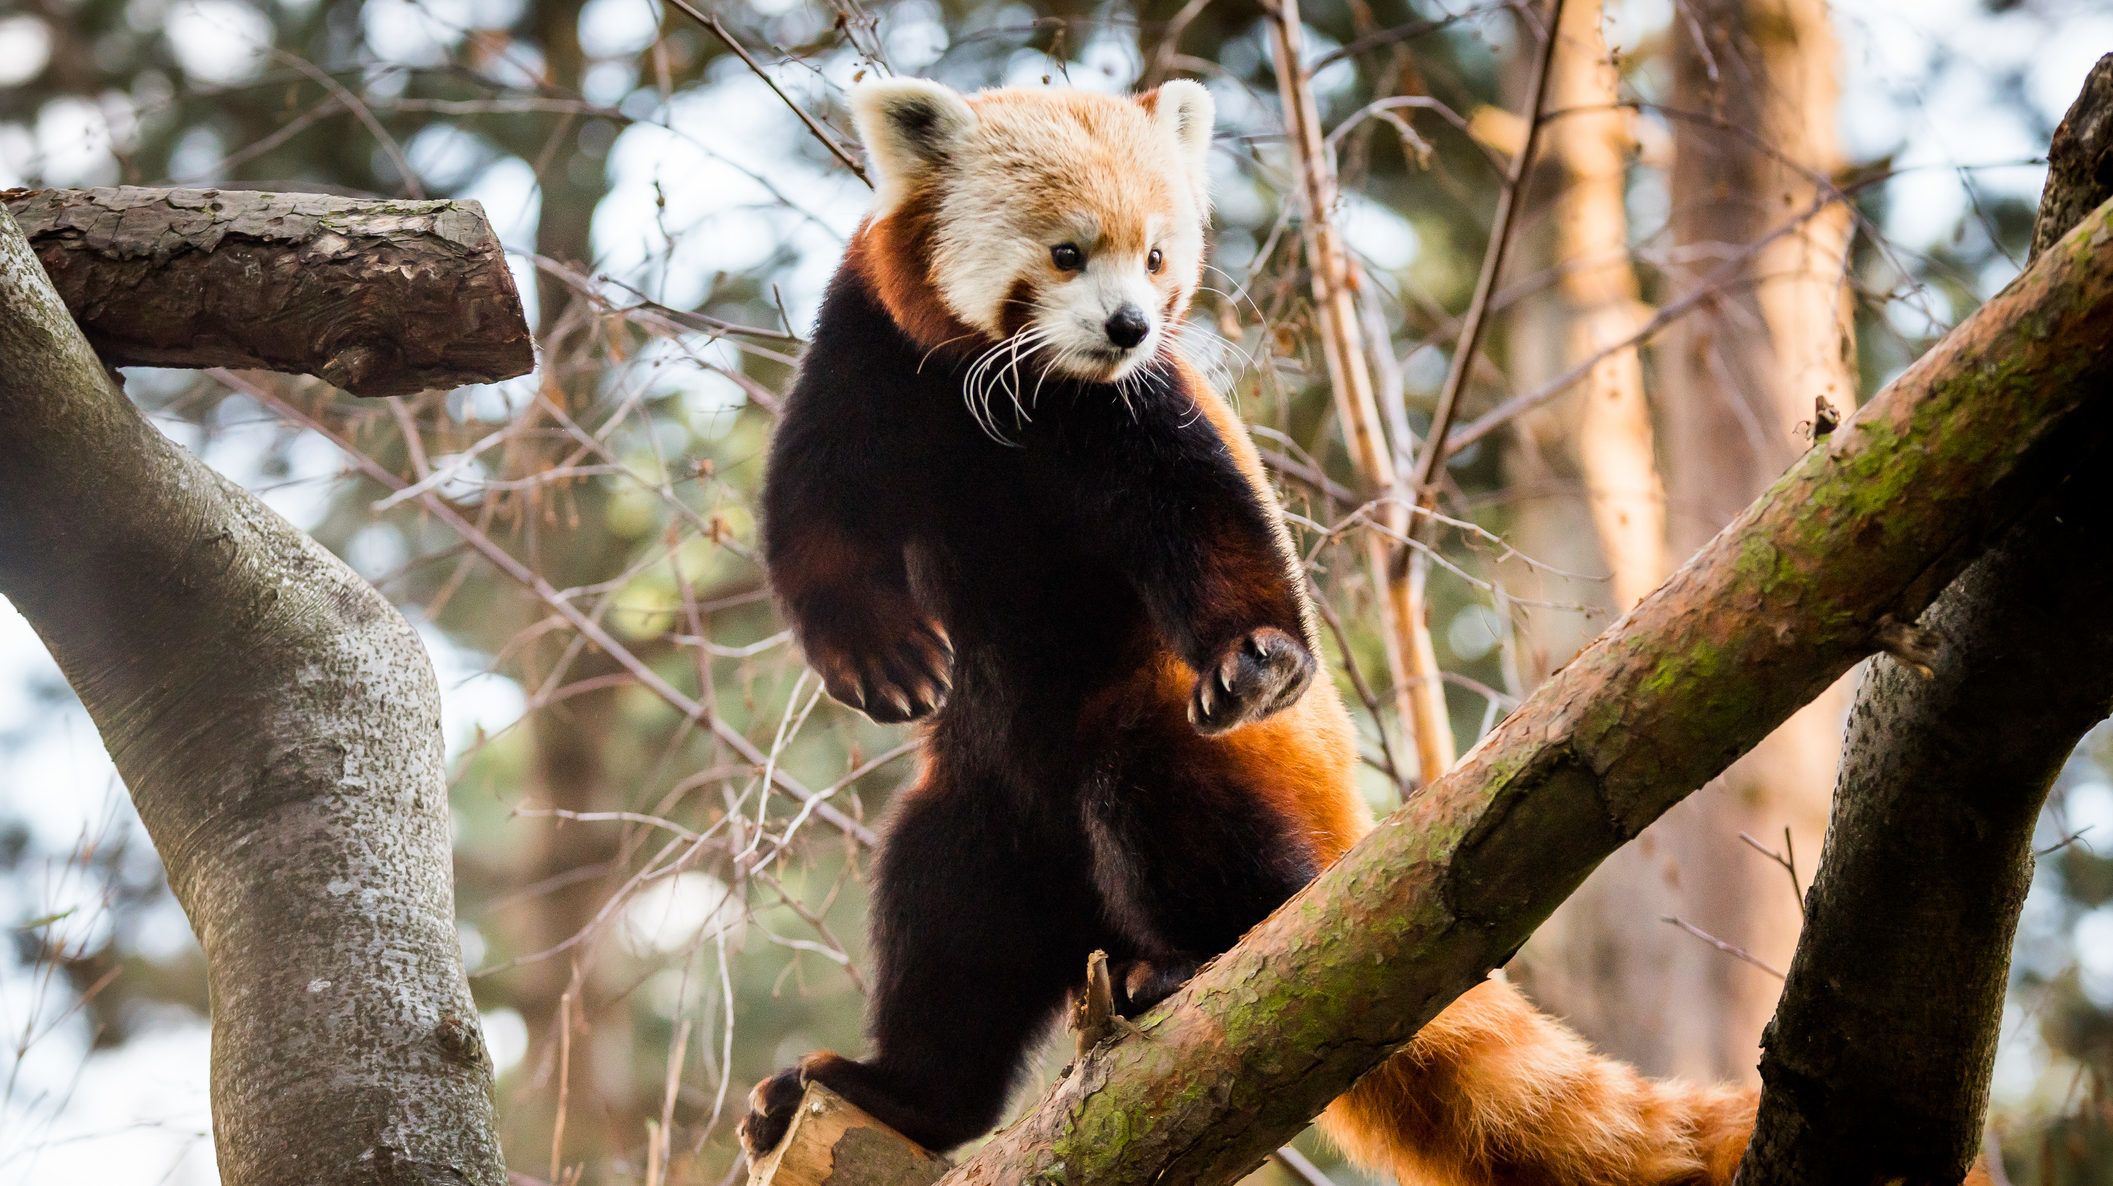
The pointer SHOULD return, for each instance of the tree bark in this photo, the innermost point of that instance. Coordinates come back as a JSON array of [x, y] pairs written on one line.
[[377, 297], [1877, 1065], [278, 725], [1755, 99], [1873, 524]]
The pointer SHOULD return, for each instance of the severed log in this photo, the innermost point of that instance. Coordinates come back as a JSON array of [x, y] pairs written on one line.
[[380, 297], [1869, 525], [1876, 1067], [833, 1143]]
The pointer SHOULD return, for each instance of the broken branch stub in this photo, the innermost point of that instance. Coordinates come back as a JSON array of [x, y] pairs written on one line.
[[833, 1143], [380, 297]]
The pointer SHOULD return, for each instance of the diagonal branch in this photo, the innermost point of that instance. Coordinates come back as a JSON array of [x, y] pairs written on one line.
[[1873, 523]]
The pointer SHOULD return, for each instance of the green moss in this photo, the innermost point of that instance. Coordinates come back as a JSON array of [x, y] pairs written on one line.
[[1701, 660]]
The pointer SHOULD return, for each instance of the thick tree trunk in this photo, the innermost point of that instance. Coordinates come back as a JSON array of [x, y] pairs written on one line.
[[278, 725], [378, 297], [1868, 527], [1877, 1064], [1755, 101]]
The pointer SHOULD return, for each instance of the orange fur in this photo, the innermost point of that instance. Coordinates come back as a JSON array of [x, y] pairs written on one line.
[[894, 253]]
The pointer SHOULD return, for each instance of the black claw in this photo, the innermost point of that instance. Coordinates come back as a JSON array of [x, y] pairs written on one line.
[[898, 682], [1263, 673]]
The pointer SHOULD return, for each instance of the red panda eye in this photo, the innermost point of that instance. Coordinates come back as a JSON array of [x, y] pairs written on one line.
[[1155, 261], [1067, 257]]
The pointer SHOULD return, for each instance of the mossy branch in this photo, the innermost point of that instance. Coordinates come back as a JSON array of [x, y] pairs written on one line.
[[1872, 522]]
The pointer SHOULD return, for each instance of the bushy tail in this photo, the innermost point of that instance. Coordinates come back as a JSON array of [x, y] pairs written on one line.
[[1495, 1093]]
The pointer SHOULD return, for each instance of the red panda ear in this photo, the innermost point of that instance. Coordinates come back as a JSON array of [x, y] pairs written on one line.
[[909, 127], [1184, 108]]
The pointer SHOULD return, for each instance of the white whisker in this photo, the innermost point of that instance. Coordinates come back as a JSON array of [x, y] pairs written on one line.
[[927, 357], [999, 363]]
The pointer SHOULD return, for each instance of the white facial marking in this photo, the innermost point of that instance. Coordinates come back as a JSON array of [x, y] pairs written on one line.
[[1107, 297], [1014, 174]]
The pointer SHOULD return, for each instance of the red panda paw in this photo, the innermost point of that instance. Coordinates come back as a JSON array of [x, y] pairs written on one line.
[[1261, 673], [899, 680], [770, 1109]]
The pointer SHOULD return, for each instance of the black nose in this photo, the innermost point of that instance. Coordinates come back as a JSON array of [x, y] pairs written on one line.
[[1127, 327]]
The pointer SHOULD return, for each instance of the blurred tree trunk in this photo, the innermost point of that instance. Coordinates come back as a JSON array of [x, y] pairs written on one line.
[[580, 1041], [277, 723], [1754, 101], [1599, 441], [1585, 465], [579, 1038]]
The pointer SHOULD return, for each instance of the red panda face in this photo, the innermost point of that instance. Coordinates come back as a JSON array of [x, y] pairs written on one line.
[[1064, 228]]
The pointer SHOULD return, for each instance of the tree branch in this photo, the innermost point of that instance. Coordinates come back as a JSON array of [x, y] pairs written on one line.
[[278, 725], [833, 1143], [1875, 521], [377, 297], [1877, 1064]]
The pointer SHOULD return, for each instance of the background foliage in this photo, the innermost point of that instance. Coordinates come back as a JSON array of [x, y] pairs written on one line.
[[651, 926]]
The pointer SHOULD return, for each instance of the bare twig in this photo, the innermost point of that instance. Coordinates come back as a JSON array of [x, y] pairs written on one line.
[[1731, 949], [1788, 859], [1435, 445], [822, 134]]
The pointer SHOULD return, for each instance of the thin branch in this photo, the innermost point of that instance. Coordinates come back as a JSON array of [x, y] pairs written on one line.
[[1435, 443], [821, 134], [1727, 947]]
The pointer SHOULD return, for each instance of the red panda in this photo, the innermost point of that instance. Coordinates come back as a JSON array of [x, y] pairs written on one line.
[[1002, 504]]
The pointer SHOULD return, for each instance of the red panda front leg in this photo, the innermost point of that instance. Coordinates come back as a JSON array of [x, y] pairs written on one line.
[[1261, 673], [857, 620], [1205, 549]]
